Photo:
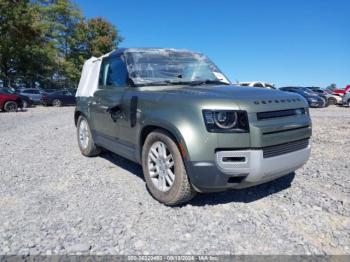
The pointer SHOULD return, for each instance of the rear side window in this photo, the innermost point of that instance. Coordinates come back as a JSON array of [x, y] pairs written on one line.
[[113, 72]]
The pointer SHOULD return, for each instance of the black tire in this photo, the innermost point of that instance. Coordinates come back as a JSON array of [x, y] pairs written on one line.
[[11, 106], [181, 190], [91, 149], [57, 103], [348, 103], [332, 101], [25, 104]]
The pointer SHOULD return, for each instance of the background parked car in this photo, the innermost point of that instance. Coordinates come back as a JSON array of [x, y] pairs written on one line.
[[26, 101], [33, 93], [58, 98], [331, 99], [341, 91], [258, 84], [312, 98], [9, 102]]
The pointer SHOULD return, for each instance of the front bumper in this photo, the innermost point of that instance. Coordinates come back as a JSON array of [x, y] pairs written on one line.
[[317, 104], [244, 168]]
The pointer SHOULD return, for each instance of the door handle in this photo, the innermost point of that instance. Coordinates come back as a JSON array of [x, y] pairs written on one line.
[[115, 112], [113, 109]]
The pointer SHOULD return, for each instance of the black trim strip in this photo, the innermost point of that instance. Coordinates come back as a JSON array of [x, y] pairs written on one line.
[[257, 148], [285, 130], [133, 111]]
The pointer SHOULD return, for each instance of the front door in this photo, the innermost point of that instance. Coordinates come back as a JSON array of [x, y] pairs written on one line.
[[106, 106]]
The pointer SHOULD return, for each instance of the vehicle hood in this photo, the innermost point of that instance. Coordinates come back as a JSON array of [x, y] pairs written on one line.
[[246, 98]]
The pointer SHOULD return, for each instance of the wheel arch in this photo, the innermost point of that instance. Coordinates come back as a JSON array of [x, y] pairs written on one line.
[[171, 131], [78, 113]]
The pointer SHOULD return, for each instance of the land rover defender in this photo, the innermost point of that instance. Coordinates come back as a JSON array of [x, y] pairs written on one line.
[[175, 113]]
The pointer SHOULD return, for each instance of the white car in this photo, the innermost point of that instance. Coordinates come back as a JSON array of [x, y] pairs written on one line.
[[257, 84]]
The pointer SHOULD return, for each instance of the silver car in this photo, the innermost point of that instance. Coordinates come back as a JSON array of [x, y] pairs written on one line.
[[346, 99], [33, 93]]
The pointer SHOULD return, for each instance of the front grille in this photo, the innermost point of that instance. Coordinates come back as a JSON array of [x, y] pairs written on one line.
[[277, 150], [281, 113]]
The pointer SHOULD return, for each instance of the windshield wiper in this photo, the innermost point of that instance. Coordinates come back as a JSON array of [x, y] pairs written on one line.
[[191, 83], [165, 83], [208, 81]]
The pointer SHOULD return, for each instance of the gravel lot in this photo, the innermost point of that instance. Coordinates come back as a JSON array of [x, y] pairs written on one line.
[[55, 201]]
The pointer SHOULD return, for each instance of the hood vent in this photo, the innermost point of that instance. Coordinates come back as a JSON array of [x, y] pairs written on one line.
[[277, 101]]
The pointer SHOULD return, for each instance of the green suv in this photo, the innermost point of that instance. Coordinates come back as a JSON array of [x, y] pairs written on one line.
[[175, 113]]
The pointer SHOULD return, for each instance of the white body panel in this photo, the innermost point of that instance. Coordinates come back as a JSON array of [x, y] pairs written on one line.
[[88, 83]]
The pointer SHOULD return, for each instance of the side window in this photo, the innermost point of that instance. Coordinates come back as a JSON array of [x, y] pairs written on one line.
[[113, 72], [258, 85], [117, 73], [103, 72]]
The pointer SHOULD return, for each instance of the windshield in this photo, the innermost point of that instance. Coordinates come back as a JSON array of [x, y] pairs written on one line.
[[168, 66], [308, 91], [6, 91]]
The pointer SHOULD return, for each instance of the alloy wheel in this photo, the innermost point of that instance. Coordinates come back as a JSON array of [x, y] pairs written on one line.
[[11, 106], [57, 102], [83, 134], [161, 166]]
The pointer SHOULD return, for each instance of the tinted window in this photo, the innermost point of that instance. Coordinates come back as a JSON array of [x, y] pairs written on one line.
[[58, 93], [103, 72], [5, 91], [30, 92], [113, 72], [258, 85]]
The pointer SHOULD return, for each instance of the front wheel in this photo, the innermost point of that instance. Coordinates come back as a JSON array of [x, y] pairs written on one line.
[[164, 170], [11, 106], [85, 140], [57, 102], [332, 101], [25, 104]]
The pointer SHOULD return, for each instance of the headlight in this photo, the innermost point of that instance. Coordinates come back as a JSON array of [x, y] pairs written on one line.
[[226, 121]]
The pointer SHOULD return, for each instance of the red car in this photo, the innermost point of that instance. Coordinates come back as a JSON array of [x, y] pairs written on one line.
[[9, 102], [341, 91]]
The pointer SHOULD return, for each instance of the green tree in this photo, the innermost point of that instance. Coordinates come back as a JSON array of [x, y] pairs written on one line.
[[47, 41], [61, 18], [94, 37], [20, 40], [101, 36], [332, 86]]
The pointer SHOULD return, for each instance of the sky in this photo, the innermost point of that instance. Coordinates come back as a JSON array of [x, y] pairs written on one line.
[[285, 42]]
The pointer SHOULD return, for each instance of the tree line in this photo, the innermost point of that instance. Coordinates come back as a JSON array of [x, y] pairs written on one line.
[[45, 42]]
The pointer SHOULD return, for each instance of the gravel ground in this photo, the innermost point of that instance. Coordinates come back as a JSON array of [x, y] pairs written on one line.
[[55, 201]]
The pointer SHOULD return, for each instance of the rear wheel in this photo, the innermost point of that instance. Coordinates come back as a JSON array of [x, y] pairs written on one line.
[[11, 106], [85, 140], [349, 103], [164, 170], [57, 102]]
